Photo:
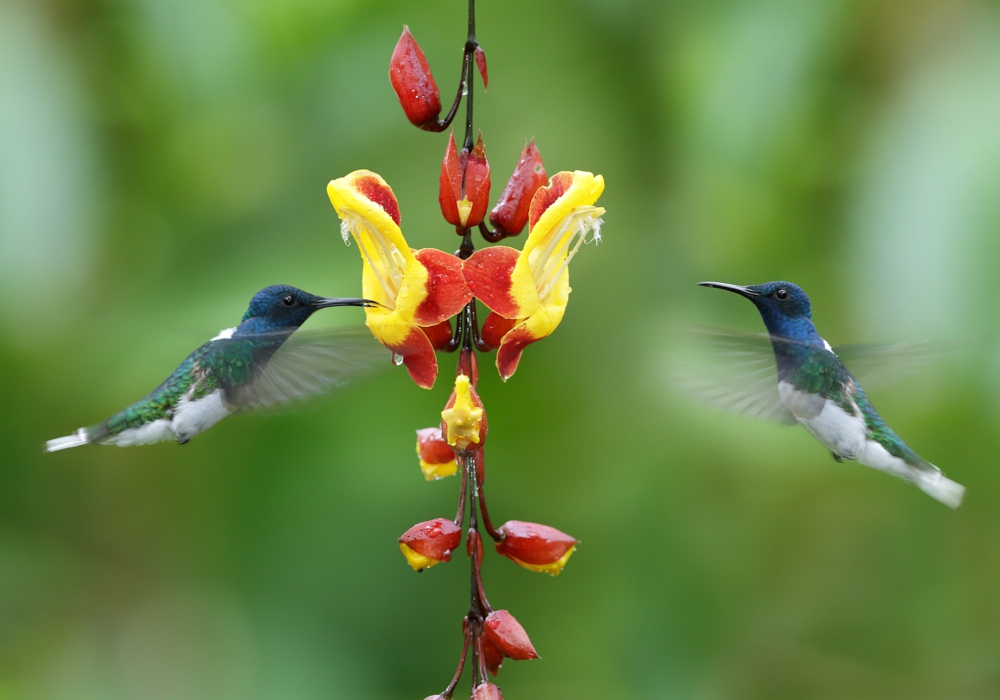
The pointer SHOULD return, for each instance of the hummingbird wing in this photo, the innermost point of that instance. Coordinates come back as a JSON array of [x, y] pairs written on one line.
[[737, 372], [307, 364]]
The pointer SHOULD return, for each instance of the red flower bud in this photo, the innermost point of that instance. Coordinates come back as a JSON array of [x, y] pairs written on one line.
[[486, 691], [494, 328], [481, 65], [464, 192], [429, 543], [437, 459], [509, 637], [511, 211], [536, 547], [492, 657], [413, 82]]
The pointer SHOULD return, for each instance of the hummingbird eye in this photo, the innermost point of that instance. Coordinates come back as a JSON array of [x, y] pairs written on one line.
[[781, 294], [288, 300]]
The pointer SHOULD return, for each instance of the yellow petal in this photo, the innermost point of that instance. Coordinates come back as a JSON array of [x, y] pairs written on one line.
[[464, 418], [553, 569], [433, 472], [417, 561]]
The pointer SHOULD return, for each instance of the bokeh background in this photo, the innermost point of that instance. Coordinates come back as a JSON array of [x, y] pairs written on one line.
[[161, 160]]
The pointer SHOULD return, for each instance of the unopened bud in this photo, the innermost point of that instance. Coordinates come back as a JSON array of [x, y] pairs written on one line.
[[487, 691], [463, 420], [414, 84], [492, 657], [429, 543], [495, 327], [536, 547], [509, 636], [464, 191], [437, 459], [511, 211]]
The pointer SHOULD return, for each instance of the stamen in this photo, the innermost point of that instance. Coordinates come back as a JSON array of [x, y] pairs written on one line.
[[390, 295], [584, 220], [345, 232]]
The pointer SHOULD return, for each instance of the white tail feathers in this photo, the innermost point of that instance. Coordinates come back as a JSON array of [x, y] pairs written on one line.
[[64, 443], [940, 488]]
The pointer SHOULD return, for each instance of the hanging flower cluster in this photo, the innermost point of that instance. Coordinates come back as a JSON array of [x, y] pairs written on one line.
[[419, 291]]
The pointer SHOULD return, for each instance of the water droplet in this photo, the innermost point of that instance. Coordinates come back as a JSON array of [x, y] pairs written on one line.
[[397, 359]]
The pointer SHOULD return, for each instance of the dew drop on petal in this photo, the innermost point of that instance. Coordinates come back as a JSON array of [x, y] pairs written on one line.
[[397, 359]]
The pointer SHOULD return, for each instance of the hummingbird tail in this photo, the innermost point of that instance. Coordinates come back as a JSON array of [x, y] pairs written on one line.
[[80, 437], [941, 488]]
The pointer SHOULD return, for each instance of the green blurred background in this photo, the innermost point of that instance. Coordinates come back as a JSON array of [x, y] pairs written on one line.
[[161, 160]]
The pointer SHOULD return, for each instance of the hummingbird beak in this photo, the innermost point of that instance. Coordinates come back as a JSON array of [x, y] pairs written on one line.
[[742, 291], [327, 302]]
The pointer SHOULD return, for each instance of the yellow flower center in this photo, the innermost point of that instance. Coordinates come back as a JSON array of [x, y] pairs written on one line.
[[548, 260], [464, 418], [385, 259]]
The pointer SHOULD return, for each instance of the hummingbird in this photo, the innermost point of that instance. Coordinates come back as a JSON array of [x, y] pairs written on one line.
[[816, 390], [234, 370]]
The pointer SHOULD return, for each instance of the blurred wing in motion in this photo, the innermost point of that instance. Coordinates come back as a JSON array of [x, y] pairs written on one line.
[[309, 363], [731, 371], [736, 371]]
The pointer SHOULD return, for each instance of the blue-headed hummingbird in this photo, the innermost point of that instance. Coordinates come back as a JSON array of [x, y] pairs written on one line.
[[236, 369]]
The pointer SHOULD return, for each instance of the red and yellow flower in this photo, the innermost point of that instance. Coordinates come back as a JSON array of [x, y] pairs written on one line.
[[529, 289], [419, 290]]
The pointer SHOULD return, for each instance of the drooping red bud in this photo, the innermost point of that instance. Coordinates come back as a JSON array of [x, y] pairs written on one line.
[[511, 211], [492, 656], [495, 328], [486, 691], [429, 543], [464, 192], [509, 636], [536, 547], [437, 459], [481, 65], [414, 84]]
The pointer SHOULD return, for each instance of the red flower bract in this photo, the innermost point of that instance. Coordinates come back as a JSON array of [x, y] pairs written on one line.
[[413, 82]]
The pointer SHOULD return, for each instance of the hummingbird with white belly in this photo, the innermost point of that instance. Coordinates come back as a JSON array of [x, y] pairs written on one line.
[[815, 390], [253, 364]]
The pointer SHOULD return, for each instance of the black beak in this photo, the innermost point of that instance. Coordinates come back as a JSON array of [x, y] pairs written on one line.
[[327, 302], [742, 291]]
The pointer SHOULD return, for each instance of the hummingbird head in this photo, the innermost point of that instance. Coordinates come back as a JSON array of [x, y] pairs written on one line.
[[281, 307], [784, 307]]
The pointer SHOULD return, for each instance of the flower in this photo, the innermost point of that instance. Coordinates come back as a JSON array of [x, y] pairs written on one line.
[[464, 187], [429, 543], [419, 289], [463, 420], [413, 82], [510, 213], [437, 459], [536, 547], [532, 286], [508, 636]]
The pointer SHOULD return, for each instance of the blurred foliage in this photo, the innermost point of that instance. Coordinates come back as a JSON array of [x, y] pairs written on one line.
[[161, 160]]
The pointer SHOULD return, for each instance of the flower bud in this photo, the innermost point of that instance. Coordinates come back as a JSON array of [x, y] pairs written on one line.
[[481, 65], [429, 543], [414, 84], [508, 636], [511, 211], [486, 691], [437, 459], [464, 191], [536, 547], [495, 327], [463, 420]]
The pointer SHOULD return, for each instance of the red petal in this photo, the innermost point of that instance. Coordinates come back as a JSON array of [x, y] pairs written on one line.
[[379, 193], [477, 183], [533, 543], [436, 538], [492, 656], [495, 328], [509, 636], [439, 334], [481, 65], [413, 82], [433, 448], [447, 290], [487, 272], [511, 211], [545, 197], [450, 186], [418, 356], [511, 347]]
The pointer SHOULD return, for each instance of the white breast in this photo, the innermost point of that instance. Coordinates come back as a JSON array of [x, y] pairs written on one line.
[[841, 432], [193, 417], [156, 431]]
